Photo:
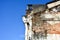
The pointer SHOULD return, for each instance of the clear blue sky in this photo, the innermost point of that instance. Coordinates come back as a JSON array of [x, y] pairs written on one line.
[[11, 12]]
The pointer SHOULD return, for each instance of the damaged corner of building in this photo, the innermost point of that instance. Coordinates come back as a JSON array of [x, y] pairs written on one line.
[[42, 21]]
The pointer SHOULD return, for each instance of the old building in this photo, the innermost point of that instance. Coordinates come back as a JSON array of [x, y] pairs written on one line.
[[42, 22]]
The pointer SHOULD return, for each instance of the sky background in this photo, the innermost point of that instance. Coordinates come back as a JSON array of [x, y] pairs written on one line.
[[11, 12]]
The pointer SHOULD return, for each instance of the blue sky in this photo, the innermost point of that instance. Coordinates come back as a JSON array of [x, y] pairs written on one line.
[[11, 12]]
